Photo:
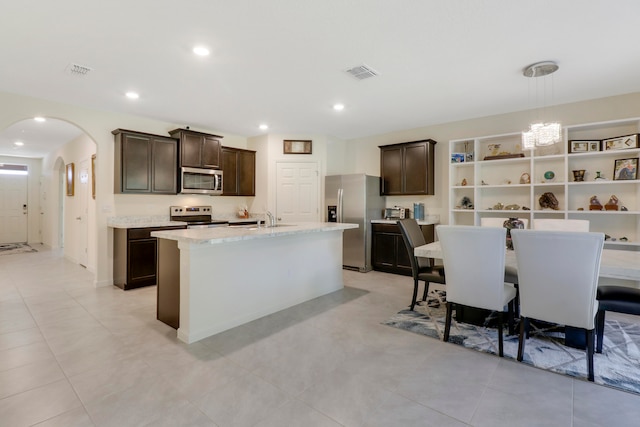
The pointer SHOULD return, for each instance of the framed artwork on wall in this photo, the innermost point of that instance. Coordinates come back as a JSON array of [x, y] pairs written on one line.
[[290, 146], [625, 169], [70, 184]]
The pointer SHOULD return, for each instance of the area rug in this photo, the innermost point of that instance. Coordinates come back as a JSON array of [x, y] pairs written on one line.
[[15, 248], [618, 365]]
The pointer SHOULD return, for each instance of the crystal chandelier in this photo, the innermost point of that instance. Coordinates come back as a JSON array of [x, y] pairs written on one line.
[[541, 134]]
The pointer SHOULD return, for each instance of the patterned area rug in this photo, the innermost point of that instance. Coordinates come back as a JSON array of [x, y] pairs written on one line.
[[618, 366], [15, 248]]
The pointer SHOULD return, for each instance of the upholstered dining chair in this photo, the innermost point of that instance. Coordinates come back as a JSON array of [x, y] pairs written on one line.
[[510, 274], [421, 268], [561, 224], [474, 259], [558, 274]]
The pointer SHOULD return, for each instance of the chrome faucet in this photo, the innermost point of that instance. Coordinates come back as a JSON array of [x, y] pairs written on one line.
[[271, 220]]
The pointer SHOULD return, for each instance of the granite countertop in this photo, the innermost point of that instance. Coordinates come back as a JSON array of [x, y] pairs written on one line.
[[148, 221], [232, 234], [428, 220]]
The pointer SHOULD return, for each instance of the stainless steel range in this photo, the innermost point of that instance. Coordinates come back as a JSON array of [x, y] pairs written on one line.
[[195, 216]]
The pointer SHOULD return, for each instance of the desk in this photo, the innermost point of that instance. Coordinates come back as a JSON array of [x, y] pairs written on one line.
[[614, 264]]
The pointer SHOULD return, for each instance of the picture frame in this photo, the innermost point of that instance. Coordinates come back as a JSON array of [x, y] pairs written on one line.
[[70, 172], [594, 146], [291, 146], [580, 145], [625, 142], [93, 176], [626, 169], [458, 157]]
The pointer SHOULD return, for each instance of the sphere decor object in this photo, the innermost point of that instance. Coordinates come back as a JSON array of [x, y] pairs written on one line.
[[549, 175]]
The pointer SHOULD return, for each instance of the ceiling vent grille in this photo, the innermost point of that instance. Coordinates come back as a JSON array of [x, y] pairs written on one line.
[[77, 70], [362, 72]]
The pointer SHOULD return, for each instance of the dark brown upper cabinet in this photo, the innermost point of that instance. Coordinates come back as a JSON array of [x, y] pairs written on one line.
[[239, 172], [407, 168], [145, 163], [197, 149]]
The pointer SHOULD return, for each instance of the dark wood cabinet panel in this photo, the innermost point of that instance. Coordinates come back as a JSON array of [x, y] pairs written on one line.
[[408, 168], [388, 251], [238, 168], [135, 254], [198, 150], [145, 163]]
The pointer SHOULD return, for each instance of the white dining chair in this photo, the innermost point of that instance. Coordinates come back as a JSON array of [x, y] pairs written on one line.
[[558, 279], [561, 224], [499, 222], [474, 259], [510, 273]]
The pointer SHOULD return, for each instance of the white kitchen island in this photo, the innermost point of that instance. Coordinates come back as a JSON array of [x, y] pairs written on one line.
[[226, 276]]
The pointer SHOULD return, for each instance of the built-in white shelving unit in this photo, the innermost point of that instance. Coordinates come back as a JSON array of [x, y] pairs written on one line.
[[488, 183]]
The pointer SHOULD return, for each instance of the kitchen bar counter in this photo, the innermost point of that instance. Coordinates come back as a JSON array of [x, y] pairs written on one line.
[[214, 279]]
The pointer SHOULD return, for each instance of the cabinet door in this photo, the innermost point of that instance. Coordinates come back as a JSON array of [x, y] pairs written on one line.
[[164, 166], [142, 262], [383, 251], [229, 172], [210, 154], [415, 169], [391, 170], [190, 150], [136, 160], [247, 173]]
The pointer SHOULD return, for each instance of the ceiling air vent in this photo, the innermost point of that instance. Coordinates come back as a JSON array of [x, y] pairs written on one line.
[[77, 70], [362, 72]]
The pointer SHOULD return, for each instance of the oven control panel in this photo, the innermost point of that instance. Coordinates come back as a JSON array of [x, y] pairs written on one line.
[[189, 210]]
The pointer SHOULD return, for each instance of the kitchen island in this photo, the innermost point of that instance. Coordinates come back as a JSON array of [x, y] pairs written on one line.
[[214, 279]]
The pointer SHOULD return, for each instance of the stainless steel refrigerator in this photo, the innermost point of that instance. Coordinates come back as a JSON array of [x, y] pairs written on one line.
[[354, 199]]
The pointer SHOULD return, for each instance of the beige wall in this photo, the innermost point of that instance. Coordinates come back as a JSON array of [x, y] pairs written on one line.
[[365, 154], [334, 156]]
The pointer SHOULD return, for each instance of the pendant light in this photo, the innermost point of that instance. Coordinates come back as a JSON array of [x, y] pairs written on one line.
[[541, 133]]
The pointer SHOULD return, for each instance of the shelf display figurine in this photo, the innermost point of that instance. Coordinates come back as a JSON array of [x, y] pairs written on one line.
[[578, 175], [549, 200], [464, 182], [599, 177], [465, 203], [612, 204], [594, 204], [525, 178]]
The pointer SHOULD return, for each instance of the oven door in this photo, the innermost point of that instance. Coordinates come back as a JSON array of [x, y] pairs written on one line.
[[200, 181]]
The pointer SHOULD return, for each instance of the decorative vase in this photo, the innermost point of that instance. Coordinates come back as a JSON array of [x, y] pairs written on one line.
[[510, 224], [578, 175]]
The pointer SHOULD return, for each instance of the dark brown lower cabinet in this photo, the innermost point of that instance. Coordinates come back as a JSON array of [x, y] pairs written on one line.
[[388, 251], [135, 255]]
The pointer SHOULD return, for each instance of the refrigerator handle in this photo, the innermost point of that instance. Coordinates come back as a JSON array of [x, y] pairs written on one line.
[[339, 204]]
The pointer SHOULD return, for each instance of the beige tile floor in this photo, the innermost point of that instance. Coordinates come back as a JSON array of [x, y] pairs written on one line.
[[72, 355]]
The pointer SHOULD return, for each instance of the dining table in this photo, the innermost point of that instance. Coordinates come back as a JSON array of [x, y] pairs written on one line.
[[622, 265], [614, 263]]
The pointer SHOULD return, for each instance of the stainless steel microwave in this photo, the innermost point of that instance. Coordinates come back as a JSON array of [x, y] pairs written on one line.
[[200, 181]]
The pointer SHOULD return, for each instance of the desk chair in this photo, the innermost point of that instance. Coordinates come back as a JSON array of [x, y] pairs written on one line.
[[561, 224], [558, 274], [421, 268], [474, 259]]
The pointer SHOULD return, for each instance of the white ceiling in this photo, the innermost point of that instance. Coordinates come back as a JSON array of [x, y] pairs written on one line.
[[283, 62]]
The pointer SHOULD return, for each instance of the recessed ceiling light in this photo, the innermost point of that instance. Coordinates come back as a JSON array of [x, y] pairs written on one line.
[[201, 51], [338, 107], [264, 126], [18, 143], [39, 119], [132, 95]]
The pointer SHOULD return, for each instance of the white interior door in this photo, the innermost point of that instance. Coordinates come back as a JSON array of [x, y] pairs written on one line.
[[297, 192], [13, 208], [83, 193]]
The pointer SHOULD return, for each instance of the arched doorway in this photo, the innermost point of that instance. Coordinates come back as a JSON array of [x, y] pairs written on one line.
[[58, 218]]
